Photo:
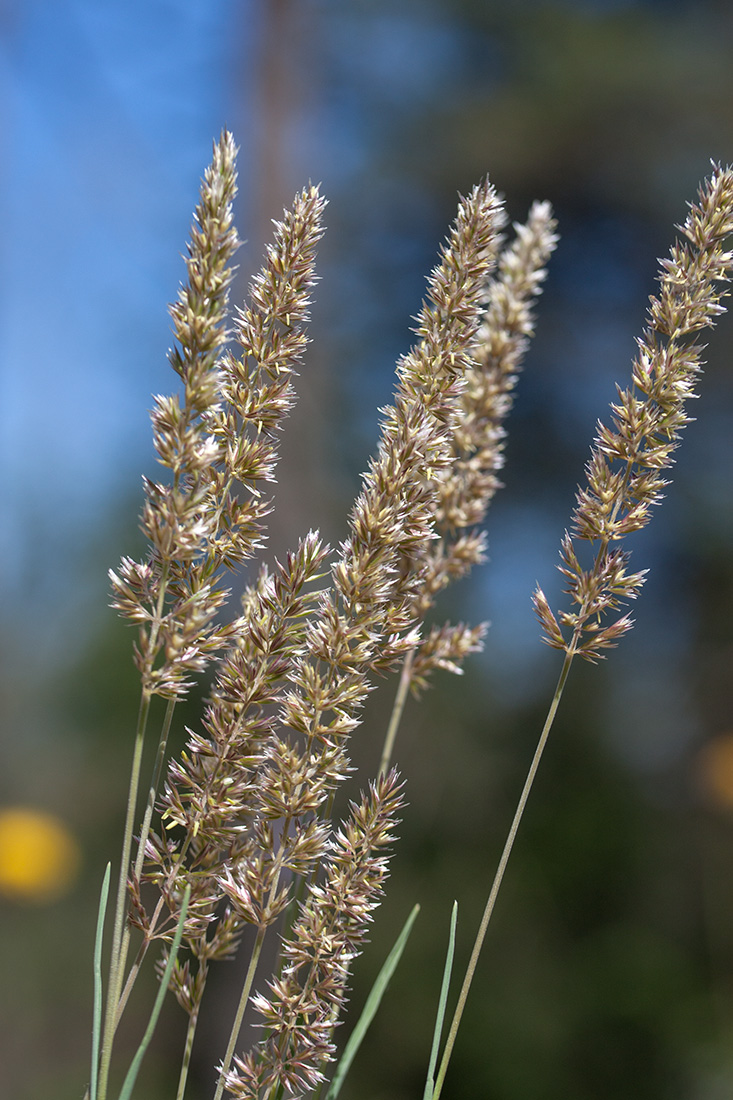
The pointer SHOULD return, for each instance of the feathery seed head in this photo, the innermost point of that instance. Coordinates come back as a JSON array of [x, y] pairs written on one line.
[[301, 1011], [219, 437], [245, 810], [624, 477], [465, 487]]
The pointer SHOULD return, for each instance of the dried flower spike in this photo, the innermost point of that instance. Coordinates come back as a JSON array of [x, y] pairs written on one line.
[[625, 469], [301, 1011], [220, 439], [468, 485], [171, 599]]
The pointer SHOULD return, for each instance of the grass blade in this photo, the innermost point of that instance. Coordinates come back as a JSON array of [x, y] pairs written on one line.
[[430, 1083], [97, 1015], [370, 1008], [132, 1073]]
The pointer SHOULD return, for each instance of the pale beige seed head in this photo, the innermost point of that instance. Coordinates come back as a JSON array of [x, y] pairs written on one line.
[[624, 474]]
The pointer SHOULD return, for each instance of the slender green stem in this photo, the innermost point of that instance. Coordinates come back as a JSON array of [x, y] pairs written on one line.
[[190, 1035], [97, 1014], [153, 792], [132, 978], [129, 1082], [237, 1025], [397, 709], [140, 859], [442, 1001], [115, 972], [369, 1011], [500, 871]]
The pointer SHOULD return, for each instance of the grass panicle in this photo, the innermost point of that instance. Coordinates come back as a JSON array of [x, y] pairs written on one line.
[[172, 595], [245, 812], [470, 481], [240, 830], [304, 1002], [625, 480], [625, 474]]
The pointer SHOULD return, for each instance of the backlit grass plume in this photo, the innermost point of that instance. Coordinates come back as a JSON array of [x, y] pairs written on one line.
[[625, 477], [626, 469], [172, 595], [240, 831], [470, 481], [467, 485], [245, 813]]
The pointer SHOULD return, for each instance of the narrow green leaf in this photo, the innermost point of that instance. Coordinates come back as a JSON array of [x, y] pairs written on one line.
[[97, 1013], [132, 1073], [370, 1008], [430, 1083]]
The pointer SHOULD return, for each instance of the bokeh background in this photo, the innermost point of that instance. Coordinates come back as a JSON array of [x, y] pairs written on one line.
[[608, 971]]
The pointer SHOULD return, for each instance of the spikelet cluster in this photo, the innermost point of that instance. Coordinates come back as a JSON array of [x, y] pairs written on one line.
[[245, 823], [625, 474], [251, 795], [245, 812], [470, 481], [305, 1000], [220, 438], [173, 596]]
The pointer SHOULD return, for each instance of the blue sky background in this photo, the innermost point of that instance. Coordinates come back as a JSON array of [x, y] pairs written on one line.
[[109, 111]]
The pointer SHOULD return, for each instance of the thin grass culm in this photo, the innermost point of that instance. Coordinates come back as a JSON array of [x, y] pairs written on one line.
[[237, 846]]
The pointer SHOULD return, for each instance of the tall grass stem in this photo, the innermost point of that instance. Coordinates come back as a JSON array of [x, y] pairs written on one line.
[[442, 1000], [129, 1082], [488, 911], [115, 972], [97, 1013], [237, 1025], [140, 857], [397, 709], [186, 1062]]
